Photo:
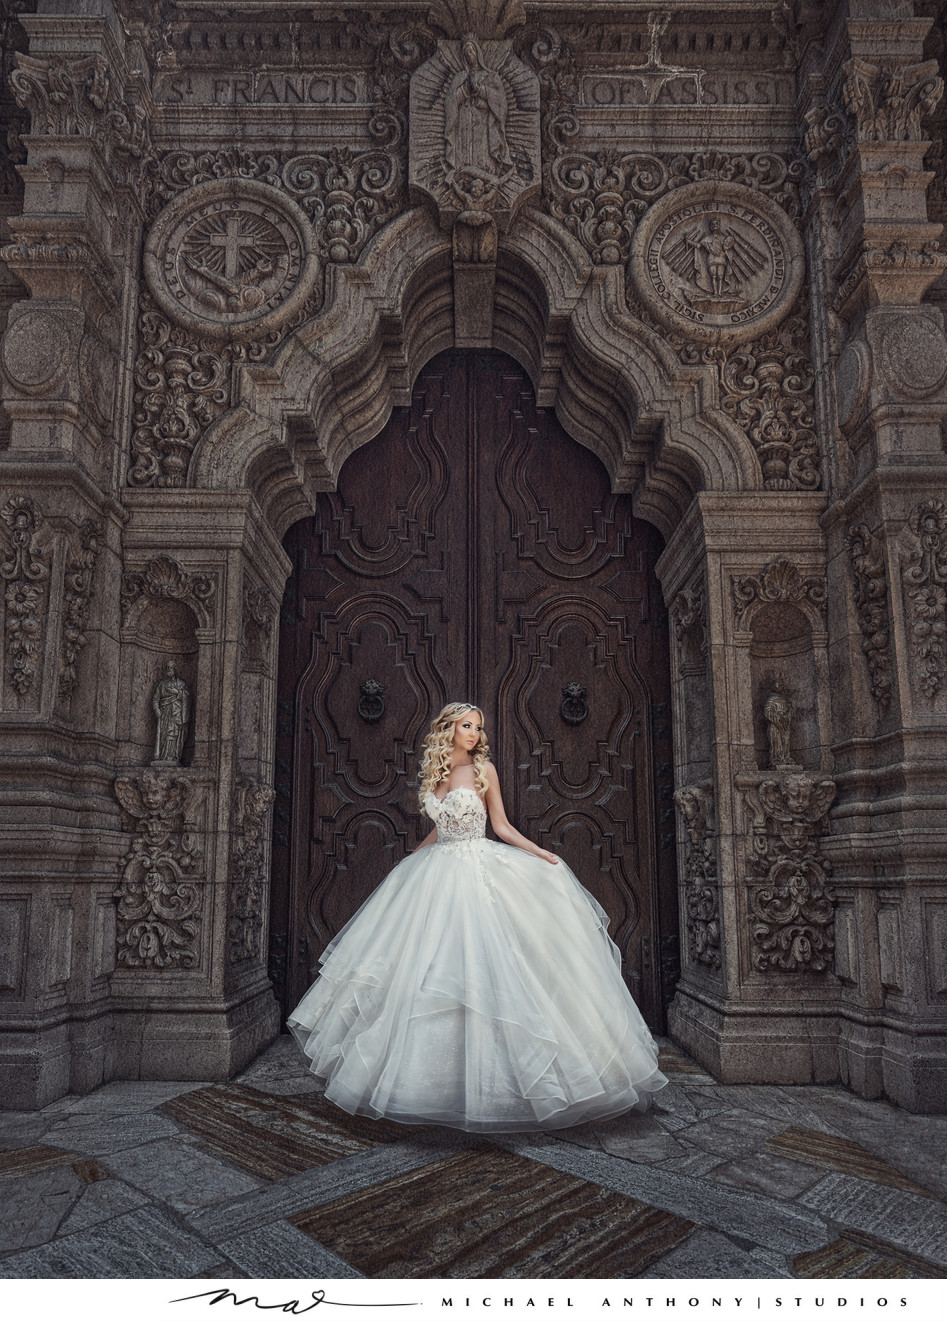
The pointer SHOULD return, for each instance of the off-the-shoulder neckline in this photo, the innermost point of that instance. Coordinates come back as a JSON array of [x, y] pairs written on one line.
[[440, 800]]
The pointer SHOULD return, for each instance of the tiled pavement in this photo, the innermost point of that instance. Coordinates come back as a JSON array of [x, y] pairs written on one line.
[[261, 1179]]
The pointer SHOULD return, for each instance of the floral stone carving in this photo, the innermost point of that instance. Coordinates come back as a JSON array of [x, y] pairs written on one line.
[[251, 804], [924, 575], [232, 258], [791, 906], [888, 101], [701, 890], [717, 261], [26, 574], [866, 550], [159, 898], [78, 594]]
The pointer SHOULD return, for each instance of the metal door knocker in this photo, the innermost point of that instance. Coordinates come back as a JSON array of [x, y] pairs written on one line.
[[371, 703], [574, 708]]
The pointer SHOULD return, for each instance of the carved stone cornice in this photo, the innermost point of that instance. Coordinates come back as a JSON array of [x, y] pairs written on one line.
[[778, 581], [924, 579], [791, 906], [870, 581]]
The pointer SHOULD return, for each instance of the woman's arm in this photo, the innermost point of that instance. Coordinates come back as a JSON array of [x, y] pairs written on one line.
[[502, 825], [429, 840]]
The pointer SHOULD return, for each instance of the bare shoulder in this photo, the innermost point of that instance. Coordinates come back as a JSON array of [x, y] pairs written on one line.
[[491, 773]]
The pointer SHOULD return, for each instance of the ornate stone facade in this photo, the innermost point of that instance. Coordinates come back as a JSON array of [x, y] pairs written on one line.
[[230, 239]]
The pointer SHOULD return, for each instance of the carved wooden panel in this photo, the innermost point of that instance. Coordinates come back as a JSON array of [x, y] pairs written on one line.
[[473, 550]]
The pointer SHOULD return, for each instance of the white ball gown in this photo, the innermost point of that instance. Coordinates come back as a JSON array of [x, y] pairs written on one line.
[[477, 988]]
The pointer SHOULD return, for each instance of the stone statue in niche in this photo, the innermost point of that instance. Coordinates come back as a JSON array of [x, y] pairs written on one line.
[[171, 704], [777, 712]]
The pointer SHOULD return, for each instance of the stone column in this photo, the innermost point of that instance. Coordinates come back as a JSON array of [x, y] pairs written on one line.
[[744, 576], [81, 91], [203, 579], [884, 358]]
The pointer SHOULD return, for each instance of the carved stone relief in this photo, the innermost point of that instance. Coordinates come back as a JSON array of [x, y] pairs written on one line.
[[690, 629], [231, 258], [778, 581], [35, 351], [866, 550], [164, 577], [791, 906], [924, 576], [70, 98], [474, 142], [26, 576], [700, 881], [171, 705], [258, 615], [160, 897], [717, 262], [77, 595], [888, 101], [251, 804]]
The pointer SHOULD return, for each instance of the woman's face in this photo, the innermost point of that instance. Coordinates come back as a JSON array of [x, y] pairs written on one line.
[[467, 731]]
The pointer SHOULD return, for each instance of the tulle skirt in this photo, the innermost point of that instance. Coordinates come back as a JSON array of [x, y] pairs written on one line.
[[477, 988]]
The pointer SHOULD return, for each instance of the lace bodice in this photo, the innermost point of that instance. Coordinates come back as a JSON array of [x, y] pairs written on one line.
[[461, 816]]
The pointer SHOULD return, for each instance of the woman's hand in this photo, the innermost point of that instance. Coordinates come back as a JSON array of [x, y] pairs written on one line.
[[548, 856]]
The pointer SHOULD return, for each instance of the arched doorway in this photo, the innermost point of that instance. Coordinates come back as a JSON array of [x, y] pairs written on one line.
[[474, 550]]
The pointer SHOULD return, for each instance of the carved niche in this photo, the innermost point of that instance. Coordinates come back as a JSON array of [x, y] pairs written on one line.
[[164, 577], [924, 576], [716, 261], [866, 550], [25, 573], [791, 906], [778, 581], [700, 881], [251, 804], [160, 897]]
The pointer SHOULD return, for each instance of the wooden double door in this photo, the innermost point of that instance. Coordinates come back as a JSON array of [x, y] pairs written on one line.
[[474, 551]]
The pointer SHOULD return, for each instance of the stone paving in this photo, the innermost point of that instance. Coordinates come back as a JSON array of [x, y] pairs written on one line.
[[260, 1178]]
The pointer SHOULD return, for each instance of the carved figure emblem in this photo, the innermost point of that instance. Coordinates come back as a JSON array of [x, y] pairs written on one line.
[[231, 258], [718, 261], [474, 145]]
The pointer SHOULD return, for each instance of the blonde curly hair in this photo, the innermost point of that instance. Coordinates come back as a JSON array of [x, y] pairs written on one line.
[[438, 744]]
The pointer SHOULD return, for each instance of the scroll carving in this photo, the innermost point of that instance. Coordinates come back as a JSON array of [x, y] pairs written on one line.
[[80, 569], [870, 578], [251, 804], [778, 581], [26, 575], [791, 905], [701, 885], [160, 896], [164, 577], [924, 576]]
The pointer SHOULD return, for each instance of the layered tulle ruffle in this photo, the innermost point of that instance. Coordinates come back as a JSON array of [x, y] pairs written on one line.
[[477, 988]]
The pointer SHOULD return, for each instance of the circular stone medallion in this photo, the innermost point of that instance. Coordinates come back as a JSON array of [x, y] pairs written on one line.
[[716, 261], [231, 258], [914, 353], [34, 350]]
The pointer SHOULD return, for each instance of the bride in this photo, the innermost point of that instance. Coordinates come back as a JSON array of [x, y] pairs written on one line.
[[477, 987]]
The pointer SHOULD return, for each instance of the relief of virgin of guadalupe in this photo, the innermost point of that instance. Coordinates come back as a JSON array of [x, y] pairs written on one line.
[[475, 114]]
